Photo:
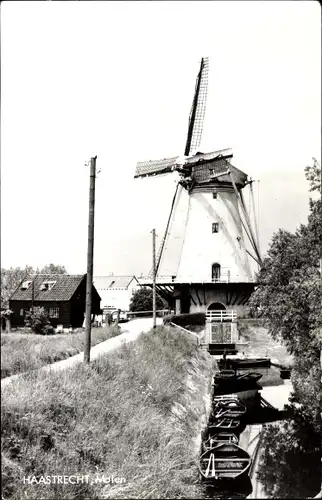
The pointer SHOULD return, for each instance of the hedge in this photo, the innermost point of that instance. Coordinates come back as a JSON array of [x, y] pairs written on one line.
[[185, 319]]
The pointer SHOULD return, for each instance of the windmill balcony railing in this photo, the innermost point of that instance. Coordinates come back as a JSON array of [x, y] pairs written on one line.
[[194, 278], [221, 316]]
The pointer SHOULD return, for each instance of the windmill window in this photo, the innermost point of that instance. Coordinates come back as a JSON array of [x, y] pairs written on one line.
[[211, 172], [21, 312], [215, 272], [214, 194], [215, 227], [54, 312]]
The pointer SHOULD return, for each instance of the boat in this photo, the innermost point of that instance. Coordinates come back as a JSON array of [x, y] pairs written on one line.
[[244, 363], [236, 383], [225, 424], [224, 375], [220, 438], [225, 461], [228, 376], [230, 409], [226, 401], [219, 401], [223, 398]]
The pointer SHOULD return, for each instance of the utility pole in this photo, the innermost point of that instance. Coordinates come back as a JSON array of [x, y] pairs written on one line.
[[32, 295], [90, 251], [154, 277]]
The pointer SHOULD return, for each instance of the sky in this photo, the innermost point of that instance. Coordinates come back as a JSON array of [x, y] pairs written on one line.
[[116, 80]]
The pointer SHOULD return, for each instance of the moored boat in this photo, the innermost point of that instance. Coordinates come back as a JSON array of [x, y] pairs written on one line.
[[228, 376], [225, 461], [230, 409], [236, 383], [244, 363], [220, 438], [226, 424]]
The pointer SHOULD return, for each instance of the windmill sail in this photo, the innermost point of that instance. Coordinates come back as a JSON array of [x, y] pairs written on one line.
[[198, 109]]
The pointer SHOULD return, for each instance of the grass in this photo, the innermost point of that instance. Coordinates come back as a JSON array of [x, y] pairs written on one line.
[[261, 344], [130, 414], [22, 352]]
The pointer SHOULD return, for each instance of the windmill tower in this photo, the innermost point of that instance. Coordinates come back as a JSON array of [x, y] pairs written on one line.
[[204, 259]]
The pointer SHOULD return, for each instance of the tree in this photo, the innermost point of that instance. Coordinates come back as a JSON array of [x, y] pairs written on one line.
[[53, 269], [290, 465], [11, 278], [289, 299], [142, 300]]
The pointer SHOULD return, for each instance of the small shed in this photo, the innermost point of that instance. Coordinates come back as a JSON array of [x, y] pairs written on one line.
[[61, 295]]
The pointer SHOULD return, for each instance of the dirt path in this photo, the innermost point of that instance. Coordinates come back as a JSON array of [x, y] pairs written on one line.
[[130, 332]]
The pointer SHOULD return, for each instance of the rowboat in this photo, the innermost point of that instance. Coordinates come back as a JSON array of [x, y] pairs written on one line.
[[225, 424], [243, 393], [244, 363], [225, 375], [220, 401], [223, 398], [230, 409], [220, 438], [229, 376], [225, 461]]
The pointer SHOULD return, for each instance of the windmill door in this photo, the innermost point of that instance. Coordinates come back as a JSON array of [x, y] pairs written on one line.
[[221, 333]]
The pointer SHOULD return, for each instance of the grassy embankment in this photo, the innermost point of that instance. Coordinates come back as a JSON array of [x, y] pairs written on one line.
[[22, 352], [261, 344], [134, 414]]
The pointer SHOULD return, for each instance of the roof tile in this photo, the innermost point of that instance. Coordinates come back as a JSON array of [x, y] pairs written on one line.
[[64, 288]]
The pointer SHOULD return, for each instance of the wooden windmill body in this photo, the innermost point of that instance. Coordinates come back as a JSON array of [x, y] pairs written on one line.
[[203, 263]]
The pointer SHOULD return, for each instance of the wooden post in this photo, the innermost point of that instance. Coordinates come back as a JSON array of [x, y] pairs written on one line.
[[32, 296], [90, 253], [154, 278]]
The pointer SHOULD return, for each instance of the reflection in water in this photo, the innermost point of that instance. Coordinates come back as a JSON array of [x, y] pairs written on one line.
[[270, 376], [237, 489], [290, 465]]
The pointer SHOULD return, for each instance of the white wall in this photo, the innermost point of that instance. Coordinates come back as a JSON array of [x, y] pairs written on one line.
[[202, 248], [118, 297]]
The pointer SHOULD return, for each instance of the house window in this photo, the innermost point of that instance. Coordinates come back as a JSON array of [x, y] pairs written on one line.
[[21, 312], [54, 312], [214, 194], [215, 272], [211, 172], [215, 227], [47, 285], [25, 285]]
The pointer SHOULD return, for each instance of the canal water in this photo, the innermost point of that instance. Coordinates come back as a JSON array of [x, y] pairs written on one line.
[[286, 458]]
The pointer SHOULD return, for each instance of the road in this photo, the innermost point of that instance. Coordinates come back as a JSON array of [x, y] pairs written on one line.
[[130, 332]]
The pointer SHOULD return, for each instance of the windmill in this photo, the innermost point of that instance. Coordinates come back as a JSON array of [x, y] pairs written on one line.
[[203, 262]]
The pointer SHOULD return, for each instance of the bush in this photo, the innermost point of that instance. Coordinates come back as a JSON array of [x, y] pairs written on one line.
[[38, 321], [185, 319]]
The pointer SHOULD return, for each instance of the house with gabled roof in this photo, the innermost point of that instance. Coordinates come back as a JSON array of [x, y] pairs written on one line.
[[116, 291], [61, 295]]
